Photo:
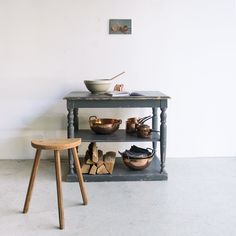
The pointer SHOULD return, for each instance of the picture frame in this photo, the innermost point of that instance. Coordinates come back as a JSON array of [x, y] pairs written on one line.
[[120, 26]]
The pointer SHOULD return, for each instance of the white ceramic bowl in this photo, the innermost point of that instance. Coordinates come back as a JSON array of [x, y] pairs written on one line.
[[98, 86]]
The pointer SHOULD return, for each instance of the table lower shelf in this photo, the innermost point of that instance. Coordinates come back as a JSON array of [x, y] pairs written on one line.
[[122, 173], [118, 136]]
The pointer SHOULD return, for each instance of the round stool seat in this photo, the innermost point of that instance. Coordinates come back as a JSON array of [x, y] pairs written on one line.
[[56, 144]]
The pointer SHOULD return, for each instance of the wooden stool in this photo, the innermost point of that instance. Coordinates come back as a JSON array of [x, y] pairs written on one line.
[[57, 146]]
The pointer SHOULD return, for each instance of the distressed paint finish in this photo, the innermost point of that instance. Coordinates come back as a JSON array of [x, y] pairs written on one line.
[[154, 126], [163, 135], [149, 99], [76, 119], [70, 134]]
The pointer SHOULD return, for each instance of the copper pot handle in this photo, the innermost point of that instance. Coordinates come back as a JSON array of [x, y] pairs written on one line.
[[144, 119], [92, 118], [121, 153], [152, 151], [153, 130]]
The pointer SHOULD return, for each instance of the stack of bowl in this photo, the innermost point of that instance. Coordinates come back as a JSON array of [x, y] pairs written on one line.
[[137, 158]]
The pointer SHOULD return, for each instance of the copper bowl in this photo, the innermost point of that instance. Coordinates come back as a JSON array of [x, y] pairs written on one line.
[[137, 158], [104, 126]]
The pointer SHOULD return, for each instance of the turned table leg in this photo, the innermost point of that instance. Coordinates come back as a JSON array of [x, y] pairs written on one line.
[[70, 134], [163, 134], [76, 120], [154, 127]]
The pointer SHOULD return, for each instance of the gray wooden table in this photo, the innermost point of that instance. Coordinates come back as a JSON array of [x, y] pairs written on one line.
[[150, 99]]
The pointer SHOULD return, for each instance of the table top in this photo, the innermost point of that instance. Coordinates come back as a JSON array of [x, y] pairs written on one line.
[[136, 95]]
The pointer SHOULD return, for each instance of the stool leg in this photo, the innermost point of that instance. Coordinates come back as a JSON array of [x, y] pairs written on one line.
[[59, 188], [32, 179], [80, 176]]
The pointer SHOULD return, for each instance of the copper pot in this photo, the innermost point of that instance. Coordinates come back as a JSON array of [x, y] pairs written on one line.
[[133, 123], [104, 125], [144, 131]]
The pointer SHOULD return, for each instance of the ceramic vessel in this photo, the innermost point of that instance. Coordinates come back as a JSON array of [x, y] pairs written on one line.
[[98, 86]]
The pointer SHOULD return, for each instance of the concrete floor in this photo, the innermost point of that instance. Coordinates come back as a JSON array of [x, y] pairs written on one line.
[[198, 199]]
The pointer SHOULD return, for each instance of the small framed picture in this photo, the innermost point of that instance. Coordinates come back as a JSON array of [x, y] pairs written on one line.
[[120, 26]]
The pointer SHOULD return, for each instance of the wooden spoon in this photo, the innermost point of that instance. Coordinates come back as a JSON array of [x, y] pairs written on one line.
[[113, 77]]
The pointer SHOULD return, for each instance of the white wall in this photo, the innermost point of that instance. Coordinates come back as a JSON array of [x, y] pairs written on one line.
[[184, 48]]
